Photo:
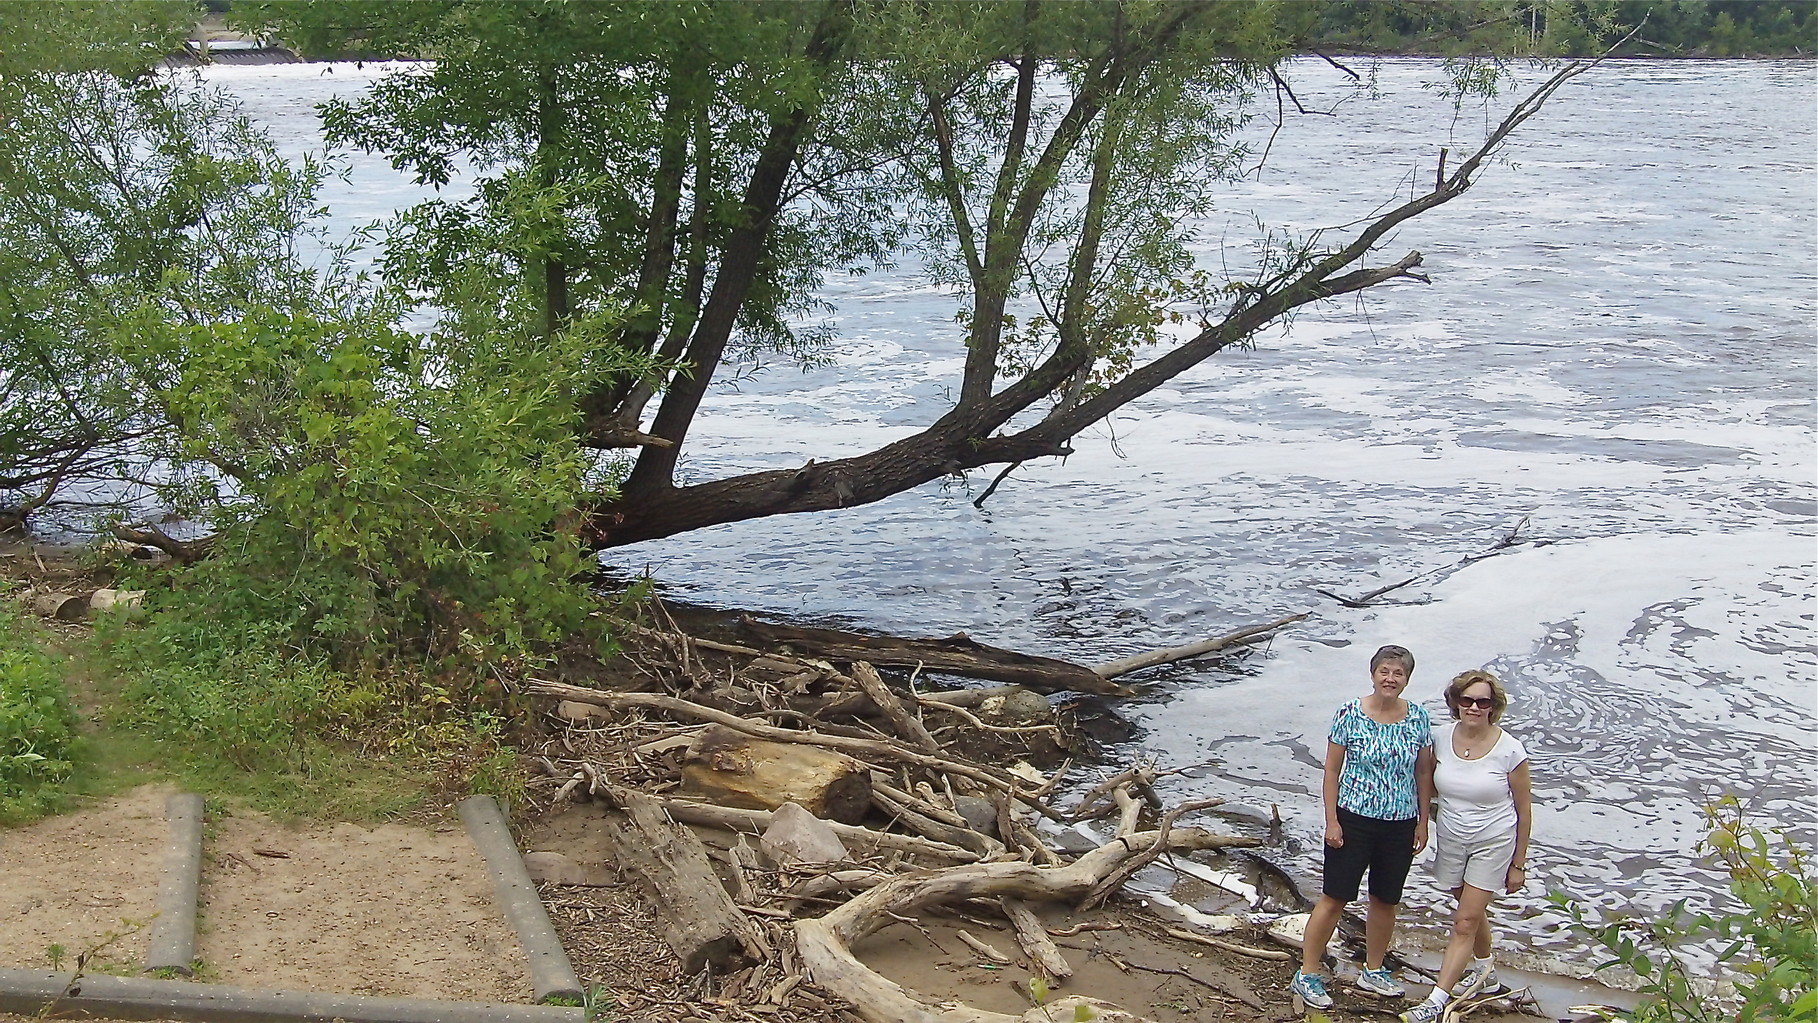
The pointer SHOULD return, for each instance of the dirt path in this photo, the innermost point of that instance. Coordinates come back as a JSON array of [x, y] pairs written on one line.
[[394, 910]]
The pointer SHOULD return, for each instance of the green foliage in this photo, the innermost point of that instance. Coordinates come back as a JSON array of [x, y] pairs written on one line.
[[1768, 944], [121, 37], [37, 722], [391, 493], [169, 301], [230, 707]]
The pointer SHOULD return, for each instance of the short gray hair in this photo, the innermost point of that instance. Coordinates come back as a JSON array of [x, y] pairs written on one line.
[[1393, 653]]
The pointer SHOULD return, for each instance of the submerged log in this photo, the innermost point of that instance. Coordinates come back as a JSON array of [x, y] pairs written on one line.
[[700, 921], [958, 654], [726, 767]]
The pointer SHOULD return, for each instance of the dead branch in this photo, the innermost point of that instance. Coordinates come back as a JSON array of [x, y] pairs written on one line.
[[1115, 878], [906, 725], [1034, 940], [1229, 946], [754, 822], [1137, 662], [825, 944]]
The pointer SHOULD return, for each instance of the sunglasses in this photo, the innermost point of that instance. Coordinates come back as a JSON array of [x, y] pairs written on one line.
[[1480, 702]]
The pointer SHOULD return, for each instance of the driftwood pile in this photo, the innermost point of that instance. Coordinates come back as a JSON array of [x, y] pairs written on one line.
[[835, 803]]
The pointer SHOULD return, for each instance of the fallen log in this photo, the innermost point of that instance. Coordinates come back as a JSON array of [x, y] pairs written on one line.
[[183, 552], [907, 726], [700, 921], [1137, 662], [727, 767], [64, 607], [999, 780], [956, 655], [825, 944], [754, 822], [1034, 940]]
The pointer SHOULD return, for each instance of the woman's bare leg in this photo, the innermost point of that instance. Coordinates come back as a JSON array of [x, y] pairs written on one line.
[[1320, 925], [1379, 927], [1469, 925]]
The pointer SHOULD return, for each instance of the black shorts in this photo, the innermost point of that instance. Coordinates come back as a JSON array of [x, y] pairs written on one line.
[[1385, 848]]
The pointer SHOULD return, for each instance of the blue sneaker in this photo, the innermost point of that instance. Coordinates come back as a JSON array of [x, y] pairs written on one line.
[[1309, 989], [1381, 982]]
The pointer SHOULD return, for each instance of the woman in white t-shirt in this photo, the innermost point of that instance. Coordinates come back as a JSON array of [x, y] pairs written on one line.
[[1480, 832]]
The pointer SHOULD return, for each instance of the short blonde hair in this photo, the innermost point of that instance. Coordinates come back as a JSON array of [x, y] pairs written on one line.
[[1498, 696]]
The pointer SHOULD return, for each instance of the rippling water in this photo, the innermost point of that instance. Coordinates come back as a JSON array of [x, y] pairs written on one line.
[[1617, 349]]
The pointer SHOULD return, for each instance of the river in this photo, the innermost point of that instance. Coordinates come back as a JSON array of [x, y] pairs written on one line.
[[1616, 357]]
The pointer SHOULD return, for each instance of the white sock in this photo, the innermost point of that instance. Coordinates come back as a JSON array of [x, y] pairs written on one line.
[[1440, 996], [1483, 963]]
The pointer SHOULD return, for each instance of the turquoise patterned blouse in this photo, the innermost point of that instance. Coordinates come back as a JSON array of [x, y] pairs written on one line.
[[1378, 776]]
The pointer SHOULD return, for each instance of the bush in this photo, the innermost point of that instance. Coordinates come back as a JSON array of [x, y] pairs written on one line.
[[37, 723], [1769, 944]]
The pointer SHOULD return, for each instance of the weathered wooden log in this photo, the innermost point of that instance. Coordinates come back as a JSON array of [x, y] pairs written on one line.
[[998, 780], [64, 607], [754, 822], [1150, 659], [825, 944], [130, 602], [1034, 940], [958, 655], [727, 767], [906, 725], [181, 551], [700, 921]]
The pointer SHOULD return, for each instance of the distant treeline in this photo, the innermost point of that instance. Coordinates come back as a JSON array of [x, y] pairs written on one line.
[[1673, 28]]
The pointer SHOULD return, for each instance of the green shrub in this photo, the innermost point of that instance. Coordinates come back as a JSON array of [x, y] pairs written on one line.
[[1768, 944], [37, 722]]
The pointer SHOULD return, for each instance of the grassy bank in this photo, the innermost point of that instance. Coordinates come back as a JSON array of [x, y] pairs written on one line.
[[222, 707]]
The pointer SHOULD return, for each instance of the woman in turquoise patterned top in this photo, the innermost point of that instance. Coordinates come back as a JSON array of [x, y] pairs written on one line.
[[1378, 785]]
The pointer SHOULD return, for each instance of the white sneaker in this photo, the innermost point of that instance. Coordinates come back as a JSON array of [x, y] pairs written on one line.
[[1381, 981], [1428, 1011], [1309, 989], [1477, 979]]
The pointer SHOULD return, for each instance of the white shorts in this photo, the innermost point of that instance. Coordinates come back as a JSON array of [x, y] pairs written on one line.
[[1479, 862]]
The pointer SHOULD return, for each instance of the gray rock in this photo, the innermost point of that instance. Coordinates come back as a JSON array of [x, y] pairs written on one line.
[[980, 814], [797, 836], [1016, 708], [556, 868]]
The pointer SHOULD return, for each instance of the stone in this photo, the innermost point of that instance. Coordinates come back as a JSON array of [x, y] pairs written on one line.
[[980, 814], [556, 868], [574, 712], [1016, 708], [796, 836]]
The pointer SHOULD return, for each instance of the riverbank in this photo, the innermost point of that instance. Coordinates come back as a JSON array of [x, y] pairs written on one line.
[[286, 904]]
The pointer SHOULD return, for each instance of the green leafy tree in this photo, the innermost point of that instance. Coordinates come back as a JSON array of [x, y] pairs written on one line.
[[60, 417], [703, 165], [376, 490]]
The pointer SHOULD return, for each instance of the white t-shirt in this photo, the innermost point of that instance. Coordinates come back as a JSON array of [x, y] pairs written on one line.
[[1474, 796]]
